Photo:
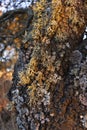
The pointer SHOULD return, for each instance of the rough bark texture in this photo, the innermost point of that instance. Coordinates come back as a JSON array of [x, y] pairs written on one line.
[[47, 90]]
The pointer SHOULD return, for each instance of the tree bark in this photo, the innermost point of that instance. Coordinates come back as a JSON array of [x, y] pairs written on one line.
[[45, 91]]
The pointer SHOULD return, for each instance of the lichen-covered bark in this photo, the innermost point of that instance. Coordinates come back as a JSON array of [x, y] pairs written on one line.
[[43, 90]]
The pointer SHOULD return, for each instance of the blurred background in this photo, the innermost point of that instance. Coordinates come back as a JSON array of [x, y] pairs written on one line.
[[11, 24]]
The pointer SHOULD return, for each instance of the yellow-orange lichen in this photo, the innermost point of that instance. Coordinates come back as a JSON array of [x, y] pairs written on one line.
[[27, 75], [60, 18], [65, 20]]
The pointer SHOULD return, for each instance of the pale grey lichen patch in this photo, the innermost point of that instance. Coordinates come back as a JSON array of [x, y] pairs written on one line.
[[76, 57], [78, 70], [80, 81]]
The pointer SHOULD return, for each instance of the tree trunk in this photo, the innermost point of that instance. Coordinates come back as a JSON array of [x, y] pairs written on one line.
[[47, 91]]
